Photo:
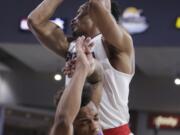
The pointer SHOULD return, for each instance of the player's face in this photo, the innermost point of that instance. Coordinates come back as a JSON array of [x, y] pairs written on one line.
[[87, 121], [81, 23]]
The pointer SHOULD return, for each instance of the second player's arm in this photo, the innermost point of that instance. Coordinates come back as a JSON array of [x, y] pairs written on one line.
[[69, 104], [48, 33]]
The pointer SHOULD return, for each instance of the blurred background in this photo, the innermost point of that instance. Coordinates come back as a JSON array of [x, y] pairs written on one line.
[[28, 71]]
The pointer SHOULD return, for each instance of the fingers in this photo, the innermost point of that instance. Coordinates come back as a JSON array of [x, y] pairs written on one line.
[[84, 44], [88, 45], [69, 68], [79, 44], [87, 41], [83, 57], [83, 47]]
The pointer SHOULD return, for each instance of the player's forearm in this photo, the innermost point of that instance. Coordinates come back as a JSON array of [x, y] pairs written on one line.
[[99, 13], [43, 11], [69, 104], [114, 34]]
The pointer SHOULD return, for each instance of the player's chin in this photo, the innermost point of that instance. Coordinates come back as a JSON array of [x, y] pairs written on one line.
[[77, 34]]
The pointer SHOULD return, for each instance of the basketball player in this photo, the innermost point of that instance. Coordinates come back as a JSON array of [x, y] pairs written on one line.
[[76, 113], [113, 48]]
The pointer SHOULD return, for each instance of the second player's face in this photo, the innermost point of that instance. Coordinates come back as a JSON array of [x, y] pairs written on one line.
[[87, 121], [81, 23]]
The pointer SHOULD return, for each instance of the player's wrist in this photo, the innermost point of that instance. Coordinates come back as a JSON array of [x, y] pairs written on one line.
[[82, 70]]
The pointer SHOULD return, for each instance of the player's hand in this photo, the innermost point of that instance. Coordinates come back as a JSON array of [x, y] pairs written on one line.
[[85, 58], [69, 67]]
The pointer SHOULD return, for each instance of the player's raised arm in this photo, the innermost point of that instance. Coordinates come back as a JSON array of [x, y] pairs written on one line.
[[48, 33], [114, 34]]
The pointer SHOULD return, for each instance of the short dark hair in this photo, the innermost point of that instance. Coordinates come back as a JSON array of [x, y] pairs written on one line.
[[115, 9], [85, 98]]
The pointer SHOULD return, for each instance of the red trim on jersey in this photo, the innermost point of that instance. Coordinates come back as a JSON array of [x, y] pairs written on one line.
[[121, 130]]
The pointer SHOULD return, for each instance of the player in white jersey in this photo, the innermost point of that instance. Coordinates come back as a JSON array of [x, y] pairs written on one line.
[[114, 110], [113, 48]]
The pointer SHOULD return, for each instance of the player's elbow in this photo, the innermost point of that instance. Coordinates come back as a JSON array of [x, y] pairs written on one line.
[[32, 22]]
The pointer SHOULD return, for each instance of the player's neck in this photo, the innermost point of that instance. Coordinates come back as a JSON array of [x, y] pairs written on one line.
[[93, 33]]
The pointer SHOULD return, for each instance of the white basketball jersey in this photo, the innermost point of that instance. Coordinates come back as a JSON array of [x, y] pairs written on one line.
[[114, 110]]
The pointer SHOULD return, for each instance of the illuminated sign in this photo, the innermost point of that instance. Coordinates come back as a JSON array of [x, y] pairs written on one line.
[[24, 25], [58, 21], [178, 23], [164, 121], [133, 21]]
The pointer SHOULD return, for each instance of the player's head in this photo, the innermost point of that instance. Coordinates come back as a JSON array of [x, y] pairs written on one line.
[[82, 24], [87, 120]]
